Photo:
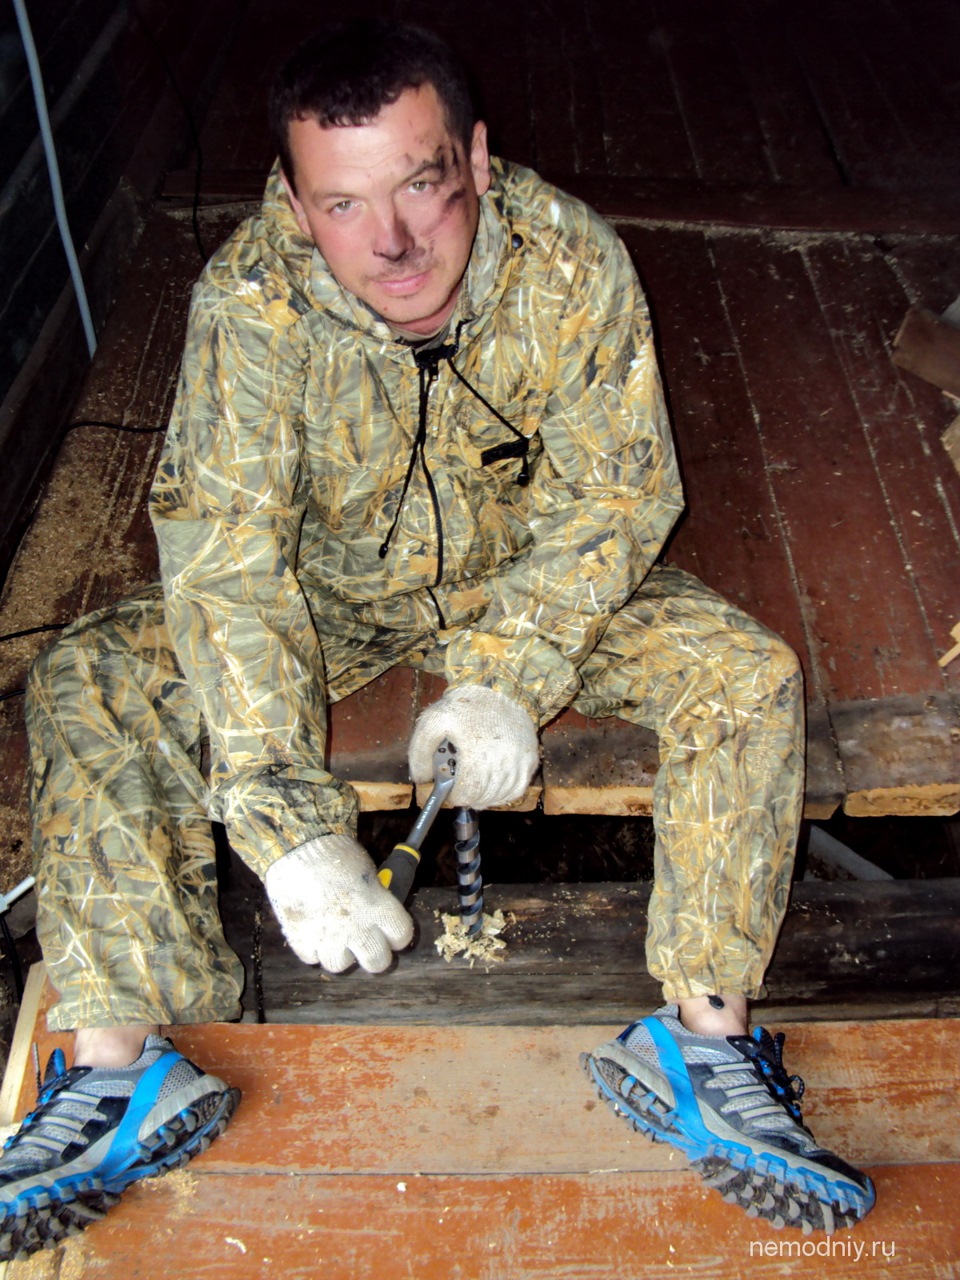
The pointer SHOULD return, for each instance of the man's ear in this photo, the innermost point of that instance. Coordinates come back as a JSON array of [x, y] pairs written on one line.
[[297, 206], [480, 159]]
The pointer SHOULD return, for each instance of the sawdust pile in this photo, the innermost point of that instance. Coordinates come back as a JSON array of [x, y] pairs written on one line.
[[486, 945], [181, 1183]]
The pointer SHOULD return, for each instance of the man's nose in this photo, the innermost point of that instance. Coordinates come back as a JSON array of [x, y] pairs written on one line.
[[393, 238]]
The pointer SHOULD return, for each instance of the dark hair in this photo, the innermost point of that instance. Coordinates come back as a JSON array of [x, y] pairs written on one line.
[[349, 71]]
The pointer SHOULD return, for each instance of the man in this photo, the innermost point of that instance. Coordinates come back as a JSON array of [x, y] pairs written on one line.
[[419, 422]]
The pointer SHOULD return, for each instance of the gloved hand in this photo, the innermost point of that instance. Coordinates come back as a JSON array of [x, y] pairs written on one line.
[[333, 909], [496, 743]]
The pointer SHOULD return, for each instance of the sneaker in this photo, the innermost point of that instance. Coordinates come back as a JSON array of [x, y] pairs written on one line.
[[728, 1104], [95, 1130]]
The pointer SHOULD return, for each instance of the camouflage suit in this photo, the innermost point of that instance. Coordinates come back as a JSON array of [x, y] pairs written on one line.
[[330, 504]]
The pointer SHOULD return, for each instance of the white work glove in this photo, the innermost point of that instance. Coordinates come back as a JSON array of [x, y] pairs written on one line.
[[496, 744], [333, 909]]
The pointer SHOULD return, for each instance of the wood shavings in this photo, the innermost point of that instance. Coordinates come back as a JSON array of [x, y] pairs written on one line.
[[486, 945], [73, 1266], [44, 1265], [181, 1183]]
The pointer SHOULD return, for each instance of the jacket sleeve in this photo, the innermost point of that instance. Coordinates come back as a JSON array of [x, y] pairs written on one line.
[[604, 495], [226, 507]]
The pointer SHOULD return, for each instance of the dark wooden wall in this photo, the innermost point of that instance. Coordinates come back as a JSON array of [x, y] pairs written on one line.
[[115, 114]]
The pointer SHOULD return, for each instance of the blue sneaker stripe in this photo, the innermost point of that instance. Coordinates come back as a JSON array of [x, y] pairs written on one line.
[[125, 1148], [675, 1069]]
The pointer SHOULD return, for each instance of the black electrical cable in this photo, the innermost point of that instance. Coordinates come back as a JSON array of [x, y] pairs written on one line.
[[14, 955], [15, 635], [33, 631]]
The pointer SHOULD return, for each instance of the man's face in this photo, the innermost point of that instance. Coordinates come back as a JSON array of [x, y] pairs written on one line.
[[393, 206]]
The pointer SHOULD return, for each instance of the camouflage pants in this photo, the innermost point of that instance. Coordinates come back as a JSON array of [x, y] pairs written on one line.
[[127, 900]]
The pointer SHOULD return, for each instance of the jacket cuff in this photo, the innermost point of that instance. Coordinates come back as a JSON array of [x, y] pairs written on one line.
[[271, 812], [530, 671]]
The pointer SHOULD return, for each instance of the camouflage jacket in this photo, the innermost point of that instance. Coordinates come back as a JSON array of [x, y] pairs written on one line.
[[296, 563]]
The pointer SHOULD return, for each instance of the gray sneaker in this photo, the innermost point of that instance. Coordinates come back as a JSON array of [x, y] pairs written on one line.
[[96, 1130], [728, 1104]]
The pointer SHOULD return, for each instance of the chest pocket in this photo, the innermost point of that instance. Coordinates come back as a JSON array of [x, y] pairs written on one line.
[[498, 434]]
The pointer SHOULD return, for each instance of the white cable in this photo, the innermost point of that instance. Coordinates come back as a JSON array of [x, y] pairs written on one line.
[[36, 79], [8, 899]]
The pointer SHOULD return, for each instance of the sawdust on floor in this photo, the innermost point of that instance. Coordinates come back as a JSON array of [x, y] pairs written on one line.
[[487, 945], [181, 1183]]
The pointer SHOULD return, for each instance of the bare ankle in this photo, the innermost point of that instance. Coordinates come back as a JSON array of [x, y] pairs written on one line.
[[110, 1046], [714, 1015]]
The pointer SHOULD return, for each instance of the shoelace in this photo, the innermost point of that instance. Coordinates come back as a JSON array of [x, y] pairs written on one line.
[[52, 1129], [60, 1113], [766, 1052], [758, 1088]]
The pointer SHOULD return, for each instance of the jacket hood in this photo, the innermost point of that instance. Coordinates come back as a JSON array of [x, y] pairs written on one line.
[[293, 255]]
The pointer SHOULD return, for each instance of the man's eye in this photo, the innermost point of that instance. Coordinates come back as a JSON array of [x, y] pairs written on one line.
[[421, 184], [342, 206]]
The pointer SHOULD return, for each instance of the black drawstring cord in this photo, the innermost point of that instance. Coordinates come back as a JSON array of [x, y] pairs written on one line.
[[428, 363], [417, 447], [514, 449]]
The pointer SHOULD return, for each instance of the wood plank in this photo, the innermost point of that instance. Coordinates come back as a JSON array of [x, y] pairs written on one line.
[[922, 146], [901, 755], [676, 202], [473, 1164], [951, 442], [817, 463], [642, 118], [861, 297], [866, 129], [928, 347], [795, 145], [518, 1078], [772, 208], [573, 951], [598, 766], [732, 535], [605, 1226], [564, 78], [721, 125]]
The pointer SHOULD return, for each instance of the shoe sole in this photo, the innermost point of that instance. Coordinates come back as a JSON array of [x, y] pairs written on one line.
[[66, 1208], [770, 1188]]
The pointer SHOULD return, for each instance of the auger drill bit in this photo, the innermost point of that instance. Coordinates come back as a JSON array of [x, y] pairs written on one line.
[[469, 881]]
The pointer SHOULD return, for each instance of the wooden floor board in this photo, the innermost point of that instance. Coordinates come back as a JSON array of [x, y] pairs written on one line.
[[730, 535], [863, 125], [722, 127], [927, 117], [844, 549], [577, 1227], [797, 150], [565, 94], [643, 119], [481, 1153], [862, 309], [878, 948]]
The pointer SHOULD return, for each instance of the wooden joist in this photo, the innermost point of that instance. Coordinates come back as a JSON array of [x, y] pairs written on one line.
[[678, 202], [575, 953]]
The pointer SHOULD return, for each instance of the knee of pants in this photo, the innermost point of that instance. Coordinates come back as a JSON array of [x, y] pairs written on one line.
[[53, 663], [779, 674]]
